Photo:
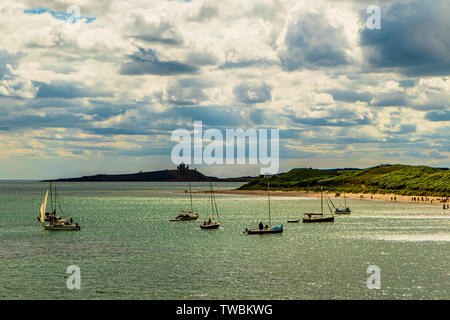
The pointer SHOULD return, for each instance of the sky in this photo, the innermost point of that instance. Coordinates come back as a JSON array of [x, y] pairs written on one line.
[[103, 93]]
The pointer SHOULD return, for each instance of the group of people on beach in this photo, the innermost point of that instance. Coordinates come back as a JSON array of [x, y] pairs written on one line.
[[421, 199], [443, 200]]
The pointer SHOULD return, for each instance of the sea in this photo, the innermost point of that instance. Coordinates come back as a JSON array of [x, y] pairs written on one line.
[[128, 248]]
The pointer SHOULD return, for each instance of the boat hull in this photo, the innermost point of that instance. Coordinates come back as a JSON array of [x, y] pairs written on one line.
[[342, 211], [71, 227], [321, 219], [293, 221], [210, 226], [186, 218], [257, 231]]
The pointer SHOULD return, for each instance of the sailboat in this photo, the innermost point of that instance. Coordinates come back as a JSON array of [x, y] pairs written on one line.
[[319, 217], [52, 222], [268, 228], [211, 223], [344, 210], [187, 215]]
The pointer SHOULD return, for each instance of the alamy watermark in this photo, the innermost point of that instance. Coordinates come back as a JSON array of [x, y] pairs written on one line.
[[374, 280], [74, 280], [235, 140], [374, 21], [73, 16]]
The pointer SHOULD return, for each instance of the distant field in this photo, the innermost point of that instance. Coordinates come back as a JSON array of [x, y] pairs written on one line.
[[397, 179]]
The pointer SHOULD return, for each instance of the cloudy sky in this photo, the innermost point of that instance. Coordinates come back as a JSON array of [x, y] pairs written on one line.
[[105, 94]]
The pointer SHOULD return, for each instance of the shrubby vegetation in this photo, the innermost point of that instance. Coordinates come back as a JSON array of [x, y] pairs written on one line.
[[397, 179]]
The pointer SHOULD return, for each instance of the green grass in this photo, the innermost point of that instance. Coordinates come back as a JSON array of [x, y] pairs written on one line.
[[397, 179]]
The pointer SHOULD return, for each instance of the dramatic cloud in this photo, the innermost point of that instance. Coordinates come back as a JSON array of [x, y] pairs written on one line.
[[413, 39], [311, 41], [116, 85], [253, 92]]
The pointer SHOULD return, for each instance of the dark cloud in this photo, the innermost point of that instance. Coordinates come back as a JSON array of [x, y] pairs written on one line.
[[187, 91], [402, 129], [408, 83], [163, 32], [256, 63], [147, 62], [413, 38], [209, 115], [47, 120], [119, 131], [206, 12], [68, 90], [334, 117], [438, 115], [389, 99], [311, 42], [349, 95], [250, 93], [431, 154]]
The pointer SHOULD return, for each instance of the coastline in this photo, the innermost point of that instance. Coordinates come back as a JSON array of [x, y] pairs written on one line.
[[310, 194]]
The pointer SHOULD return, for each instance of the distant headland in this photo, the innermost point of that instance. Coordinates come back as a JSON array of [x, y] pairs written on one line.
[[181, 174]]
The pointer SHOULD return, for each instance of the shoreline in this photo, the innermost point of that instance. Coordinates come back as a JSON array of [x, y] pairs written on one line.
[[358, 196]]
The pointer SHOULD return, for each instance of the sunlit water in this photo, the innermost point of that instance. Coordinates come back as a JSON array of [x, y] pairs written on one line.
[[128, 249]]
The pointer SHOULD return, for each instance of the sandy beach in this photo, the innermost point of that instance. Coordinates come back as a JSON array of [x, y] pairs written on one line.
[[311, 194]]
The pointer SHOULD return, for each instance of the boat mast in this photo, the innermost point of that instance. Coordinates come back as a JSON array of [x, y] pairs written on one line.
[[215, 204], [51, 196], [212, 204], [321, 200], [268, 197], [345, 201], [190, 196]]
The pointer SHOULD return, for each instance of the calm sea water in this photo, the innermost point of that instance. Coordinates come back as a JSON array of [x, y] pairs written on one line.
[[128, 249]]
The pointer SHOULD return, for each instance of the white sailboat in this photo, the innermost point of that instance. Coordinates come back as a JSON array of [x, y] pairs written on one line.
[[49, 219]]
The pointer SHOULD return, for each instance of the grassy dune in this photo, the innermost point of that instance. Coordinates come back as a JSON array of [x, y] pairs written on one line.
[[396, 179]]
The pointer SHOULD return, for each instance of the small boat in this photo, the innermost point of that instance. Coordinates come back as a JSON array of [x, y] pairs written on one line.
[[50, 221], [268, 228], [264, 231], [319, 217], [293, 220], [344, 210], [211, 223], [187, 215]]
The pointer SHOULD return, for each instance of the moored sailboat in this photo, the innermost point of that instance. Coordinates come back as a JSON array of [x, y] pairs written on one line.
[[187, 215], [319, 217], [211, 223], [268, 228], [344, 210]]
